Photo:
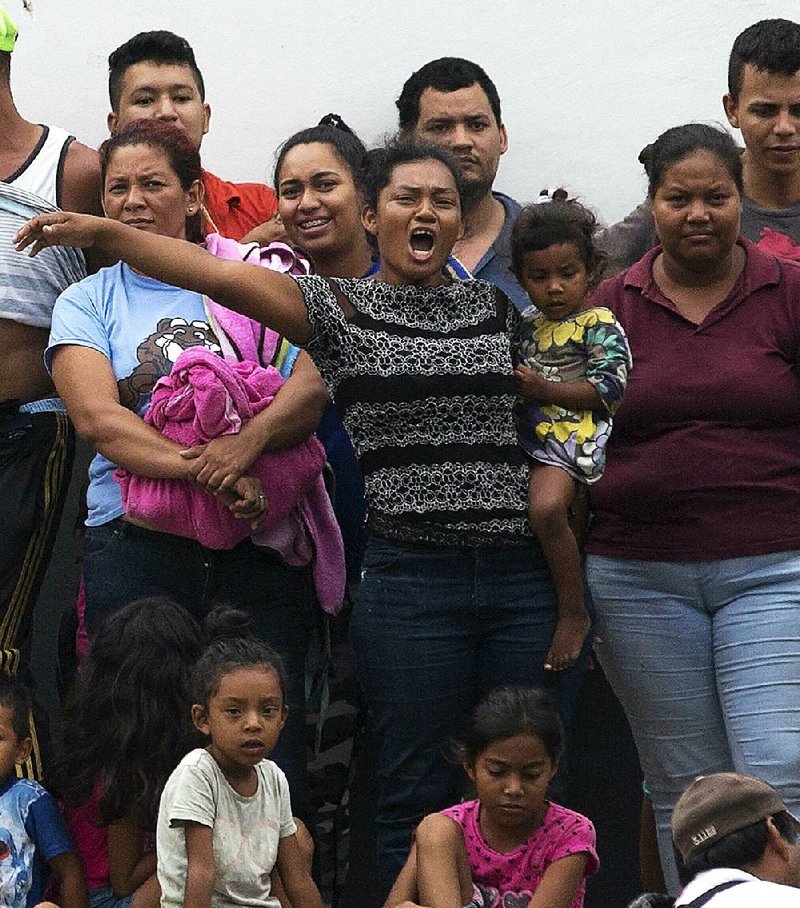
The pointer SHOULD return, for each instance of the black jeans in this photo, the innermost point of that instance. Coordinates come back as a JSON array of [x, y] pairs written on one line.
[[36, 454]]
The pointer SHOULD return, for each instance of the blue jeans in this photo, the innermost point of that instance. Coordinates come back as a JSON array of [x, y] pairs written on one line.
[[705, 659], [122, 562], [434, 629], [105, 898]]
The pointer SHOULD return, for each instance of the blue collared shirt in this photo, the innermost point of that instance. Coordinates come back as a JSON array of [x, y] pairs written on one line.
[[495, 264]]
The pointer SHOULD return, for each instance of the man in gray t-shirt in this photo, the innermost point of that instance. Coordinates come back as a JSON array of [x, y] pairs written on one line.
[[763, 101]]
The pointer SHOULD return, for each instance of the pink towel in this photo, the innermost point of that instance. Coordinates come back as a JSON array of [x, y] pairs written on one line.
[[202, 398], [240, 337]]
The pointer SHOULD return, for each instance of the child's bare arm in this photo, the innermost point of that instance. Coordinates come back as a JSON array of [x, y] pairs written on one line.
[[306, 844], [404, 890], [67, 871], [560, 882], [128, 865], [199, 865], [296, 879], [572, 395], [444, 876]]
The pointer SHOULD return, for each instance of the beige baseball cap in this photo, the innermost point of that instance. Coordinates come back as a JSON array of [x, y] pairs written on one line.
[[716, 805]]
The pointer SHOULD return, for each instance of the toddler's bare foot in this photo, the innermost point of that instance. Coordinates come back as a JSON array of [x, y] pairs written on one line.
[[567, 642]]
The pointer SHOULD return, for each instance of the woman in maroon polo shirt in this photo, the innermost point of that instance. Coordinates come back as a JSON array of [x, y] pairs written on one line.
[[694, 558]]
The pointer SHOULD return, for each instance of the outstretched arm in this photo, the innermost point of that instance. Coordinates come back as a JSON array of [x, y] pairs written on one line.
[[267, 296]]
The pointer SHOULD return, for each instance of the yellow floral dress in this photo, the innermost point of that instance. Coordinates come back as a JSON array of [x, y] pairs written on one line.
[[588, 346]]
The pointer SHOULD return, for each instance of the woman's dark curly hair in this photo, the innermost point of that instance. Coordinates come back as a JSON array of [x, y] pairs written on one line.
[[333, 131], [379, 164], [680, 142], [128, 723]]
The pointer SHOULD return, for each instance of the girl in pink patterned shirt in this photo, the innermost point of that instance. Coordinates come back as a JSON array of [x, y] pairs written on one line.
[[510, 848]]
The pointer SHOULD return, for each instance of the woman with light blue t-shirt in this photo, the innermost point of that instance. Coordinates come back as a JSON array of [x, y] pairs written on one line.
[[114, 335]]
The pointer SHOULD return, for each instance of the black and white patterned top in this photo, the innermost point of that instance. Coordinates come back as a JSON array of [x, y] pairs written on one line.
[[424, 379]]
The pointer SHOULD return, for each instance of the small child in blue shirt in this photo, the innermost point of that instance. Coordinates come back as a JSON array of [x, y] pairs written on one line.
[[33, 836]]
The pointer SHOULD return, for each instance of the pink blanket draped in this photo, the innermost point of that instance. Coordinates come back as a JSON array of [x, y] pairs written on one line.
[[240, 337]]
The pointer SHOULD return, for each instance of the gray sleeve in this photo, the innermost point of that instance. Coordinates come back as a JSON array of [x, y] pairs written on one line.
[[193, 796], [287, 823], [628, 240]]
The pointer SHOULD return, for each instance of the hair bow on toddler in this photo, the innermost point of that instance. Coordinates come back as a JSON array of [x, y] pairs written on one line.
[[557, 195]]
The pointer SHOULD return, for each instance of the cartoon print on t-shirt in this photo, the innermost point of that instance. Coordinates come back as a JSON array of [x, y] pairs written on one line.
[[489, 897], [14, 879], [157, 355]]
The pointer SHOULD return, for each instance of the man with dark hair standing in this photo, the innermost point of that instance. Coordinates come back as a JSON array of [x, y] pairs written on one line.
[[42, 168], [154, 75], [737, 844], [763, 101], [453, 103]]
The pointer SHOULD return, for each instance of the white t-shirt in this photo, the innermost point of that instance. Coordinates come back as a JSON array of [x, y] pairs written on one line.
[[246, 831], [752, 892]]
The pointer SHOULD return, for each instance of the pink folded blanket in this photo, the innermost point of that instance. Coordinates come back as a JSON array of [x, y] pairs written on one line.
[[203, 398]]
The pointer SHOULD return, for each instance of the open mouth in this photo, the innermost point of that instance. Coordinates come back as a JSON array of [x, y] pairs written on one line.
[[421, 243], [253, 746]]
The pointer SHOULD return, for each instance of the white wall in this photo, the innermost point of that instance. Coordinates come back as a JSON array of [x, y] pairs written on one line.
[[584, 84]]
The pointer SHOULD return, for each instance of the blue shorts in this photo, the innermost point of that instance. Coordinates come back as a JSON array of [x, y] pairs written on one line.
[[105, 898]]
